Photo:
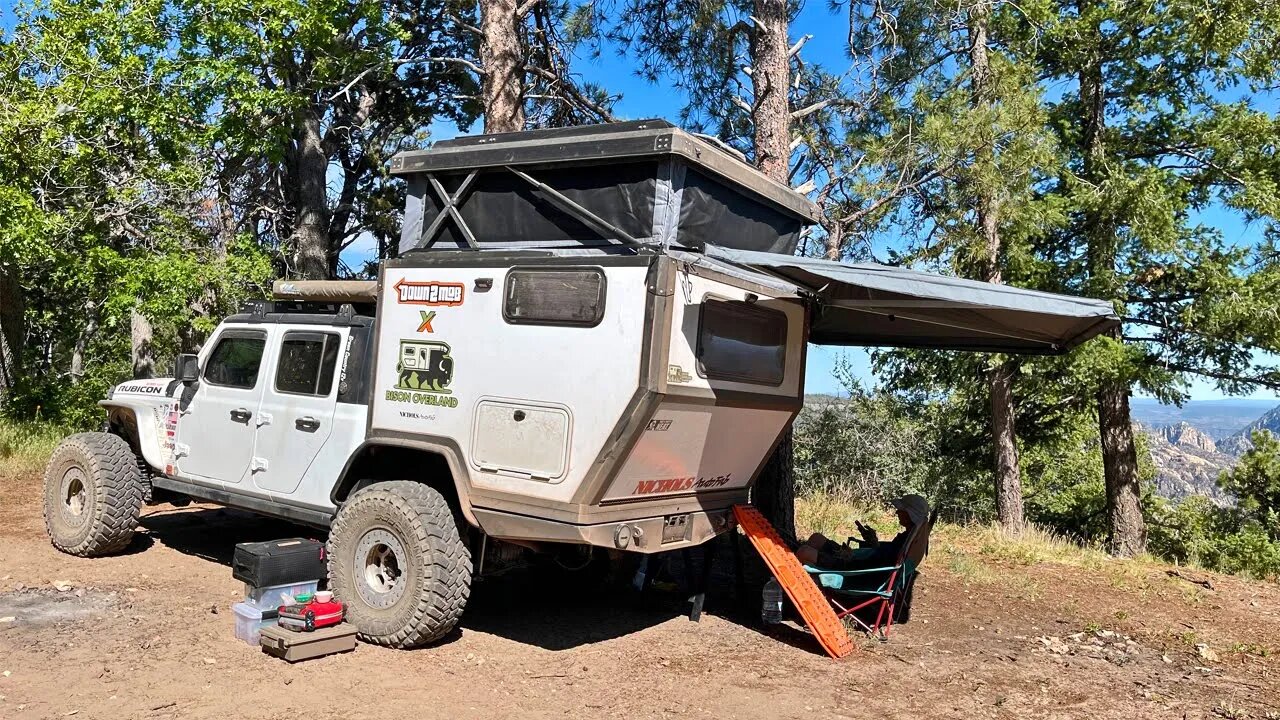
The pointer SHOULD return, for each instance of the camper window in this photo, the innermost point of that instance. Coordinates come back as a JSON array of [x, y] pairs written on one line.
[[742, 342], [306, 363], [234, 362], [554, 296]]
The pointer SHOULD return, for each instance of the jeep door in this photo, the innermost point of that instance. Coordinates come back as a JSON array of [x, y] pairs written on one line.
[[215, 434], [296, 415]]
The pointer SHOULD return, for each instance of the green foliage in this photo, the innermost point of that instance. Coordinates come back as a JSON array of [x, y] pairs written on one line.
[[1255, 482], [102, 202], [1243, 539], [25, 447]]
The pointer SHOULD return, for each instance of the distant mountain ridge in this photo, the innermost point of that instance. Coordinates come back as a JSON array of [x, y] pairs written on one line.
[[1239, 443], [1187, 462], [1219, 419]]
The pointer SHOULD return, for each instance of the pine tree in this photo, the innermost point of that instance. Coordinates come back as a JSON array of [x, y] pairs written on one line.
[[1152, 137]]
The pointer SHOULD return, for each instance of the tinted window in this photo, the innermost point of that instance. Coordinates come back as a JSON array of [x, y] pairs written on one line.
[[742, 342], [306, 363], [235, 360], [555, 297]]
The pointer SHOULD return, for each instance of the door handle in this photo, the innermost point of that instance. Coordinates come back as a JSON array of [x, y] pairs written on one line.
[[307, 424], [241, 415]]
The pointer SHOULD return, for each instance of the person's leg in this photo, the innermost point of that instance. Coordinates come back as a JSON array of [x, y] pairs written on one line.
[[807, 554], [816, 540]]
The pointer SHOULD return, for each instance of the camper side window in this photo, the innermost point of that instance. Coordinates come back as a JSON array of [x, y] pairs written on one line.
[[742, 342], [554, 296]]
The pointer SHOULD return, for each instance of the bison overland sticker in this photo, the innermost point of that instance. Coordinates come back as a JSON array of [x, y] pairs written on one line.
[[424, 370], [428, 293]]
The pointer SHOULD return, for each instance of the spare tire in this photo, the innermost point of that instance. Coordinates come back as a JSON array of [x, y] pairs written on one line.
[[398, 562], [93, 492]]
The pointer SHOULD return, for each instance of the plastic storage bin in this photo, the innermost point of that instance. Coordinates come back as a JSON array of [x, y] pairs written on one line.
[[272, 597], [250, 622]]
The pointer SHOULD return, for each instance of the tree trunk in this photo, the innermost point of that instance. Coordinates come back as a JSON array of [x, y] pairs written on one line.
[[774, 492], [310, 182], [76, 371], [500, 56], [11, 332], [1127, 534], [770, 71], [1004, 437], [142, 349], [1008, 475], [835, 242]]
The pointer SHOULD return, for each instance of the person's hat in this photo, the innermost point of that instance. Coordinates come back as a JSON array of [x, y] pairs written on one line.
[[915, 506]]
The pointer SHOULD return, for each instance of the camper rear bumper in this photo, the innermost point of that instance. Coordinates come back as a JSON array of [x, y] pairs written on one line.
[[644, 535]]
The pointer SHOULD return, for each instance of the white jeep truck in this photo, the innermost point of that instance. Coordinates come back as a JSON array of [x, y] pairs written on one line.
[[591, 337]]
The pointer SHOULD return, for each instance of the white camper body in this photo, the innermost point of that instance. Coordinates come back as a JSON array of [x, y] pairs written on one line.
[[618, 400]]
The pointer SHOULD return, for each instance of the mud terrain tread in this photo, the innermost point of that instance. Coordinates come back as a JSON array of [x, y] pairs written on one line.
[[446, 560], [118, 492]]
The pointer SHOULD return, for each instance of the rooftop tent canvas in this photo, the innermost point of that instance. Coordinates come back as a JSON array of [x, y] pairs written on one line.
[[635, 183]]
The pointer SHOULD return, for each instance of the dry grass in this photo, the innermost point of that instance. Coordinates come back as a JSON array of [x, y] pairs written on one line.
[[984, 554], [25, 447]]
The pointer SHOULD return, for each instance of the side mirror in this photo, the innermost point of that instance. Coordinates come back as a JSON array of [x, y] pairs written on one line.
[[187, 368]]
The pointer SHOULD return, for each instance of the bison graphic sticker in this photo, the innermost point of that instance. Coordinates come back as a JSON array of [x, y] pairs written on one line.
[[425, 366], [424, 371]]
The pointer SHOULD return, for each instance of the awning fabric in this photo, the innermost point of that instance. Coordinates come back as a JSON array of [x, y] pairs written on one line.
[[866, 304]]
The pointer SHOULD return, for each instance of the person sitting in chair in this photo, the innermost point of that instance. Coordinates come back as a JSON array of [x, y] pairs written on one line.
[[821, 552]]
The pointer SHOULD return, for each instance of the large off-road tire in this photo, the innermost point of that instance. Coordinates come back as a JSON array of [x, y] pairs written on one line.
[[93, 493], [398, 562]]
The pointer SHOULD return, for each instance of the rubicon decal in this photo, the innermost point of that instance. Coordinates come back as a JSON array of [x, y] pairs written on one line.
[[680, 484], [428, 293], [143, 388]]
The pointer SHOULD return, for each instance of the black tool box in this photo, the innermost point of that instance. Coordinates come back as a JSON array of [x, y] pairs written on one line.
[[279, 562]]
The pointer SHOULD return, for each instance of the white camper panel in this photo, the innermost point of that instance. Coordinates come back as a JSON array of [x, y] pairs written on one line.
[[530, 402], [736, 359]]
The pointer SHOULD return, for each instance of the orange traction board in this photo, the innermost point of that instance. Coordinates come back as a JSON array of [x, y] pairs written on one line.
[[804, 593]]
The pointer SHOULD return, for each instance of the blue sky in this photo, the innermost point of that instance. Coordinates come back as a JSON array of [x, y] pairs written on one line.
[[641, 99]]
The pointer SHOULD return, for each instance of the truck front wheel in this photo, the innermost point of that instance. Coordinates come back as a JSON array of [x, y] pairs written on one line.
[[398, 562], [93, 492]]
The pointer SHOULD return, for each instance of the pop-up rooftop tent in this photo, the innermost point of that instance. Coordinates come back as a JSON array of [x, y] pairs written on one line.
[[648, 186]]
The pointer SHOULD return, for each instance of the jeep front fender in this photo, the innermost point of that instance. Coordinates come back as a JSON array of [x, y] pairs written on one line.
[[146, 425]]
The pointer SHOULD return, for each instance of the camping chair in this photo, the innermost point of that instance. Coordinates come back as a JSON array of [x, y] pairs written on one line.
[[886, 589]]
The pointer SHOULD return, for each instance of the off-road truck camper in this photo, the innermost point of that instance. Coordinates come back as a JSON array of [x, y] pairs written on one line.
[[589, 337]]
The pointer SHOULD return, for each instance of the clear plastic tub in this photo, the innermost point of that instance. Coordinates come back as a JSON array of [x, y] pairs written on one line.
[[270, 598], [249, 622]]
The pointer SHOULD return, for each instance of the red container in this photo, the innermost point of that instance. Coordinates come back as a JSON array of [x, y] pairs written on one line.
[[310, 616]]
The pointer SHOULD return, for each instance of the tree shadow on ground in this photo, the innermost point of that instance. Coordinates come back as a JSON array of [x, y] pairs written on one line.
[[555, 612], [537, 606], [551, 610], [212, 533]]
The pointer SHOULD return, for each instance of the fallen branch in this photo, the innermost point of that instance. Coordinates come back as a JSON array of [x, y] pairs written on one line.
[[1206, 584]]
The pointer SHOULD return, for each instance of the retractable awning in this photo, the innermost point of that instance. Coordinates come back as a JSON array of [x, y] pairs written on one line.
[[866, 304]]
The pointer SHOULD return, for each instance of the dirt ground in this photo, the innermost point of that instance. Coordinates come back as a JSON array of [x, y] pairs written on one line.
[[148, 634]]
